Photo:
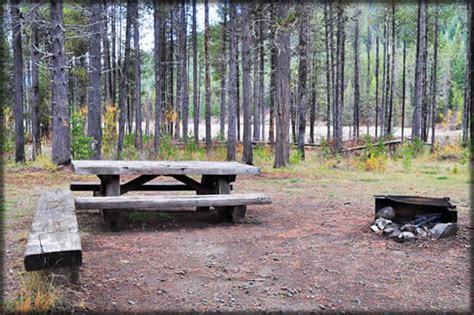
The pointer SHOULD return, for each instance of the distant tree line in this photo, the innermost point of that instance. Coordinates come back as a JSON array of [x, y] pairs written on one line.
[[267, 71]]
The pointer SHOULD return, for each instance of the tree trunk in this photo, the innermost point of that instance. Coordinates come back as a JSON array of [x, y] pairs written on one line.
[[377, 104], [392, 82], [105, 43], [466, 116], [138, 99], [340, 77], [61, 149], [208, 77], [223, 62], [283, 102], [35, 98], [247, 154], [471, 82], [356, 79], [303, 76], [94, 113], [329, 78], [434, 78], [261, 75], [195, 83], [256, 104], [184, 77], [124, 80], [233, 84], [18, 74], [314, 111], [273, 96], [385, 84], [237, 81], [420, 88], [157, 64], [403, 88]]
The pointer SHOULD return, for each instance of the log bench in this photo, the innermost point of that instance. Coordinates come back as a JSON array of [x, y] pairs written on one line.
[[54, 243], [229, 206]]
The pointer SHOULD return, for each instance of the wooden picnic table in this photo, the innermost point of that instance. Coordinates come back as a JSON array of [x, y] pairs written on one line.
[[215, 178]]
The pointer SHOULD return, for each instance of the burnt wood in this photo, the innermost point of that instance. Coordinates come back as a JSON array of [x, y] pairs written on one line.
[[54, 240]]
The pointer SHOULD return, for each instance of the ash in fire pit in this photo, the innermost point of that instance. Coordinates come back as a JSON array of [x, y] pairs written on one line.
[[406, 218]]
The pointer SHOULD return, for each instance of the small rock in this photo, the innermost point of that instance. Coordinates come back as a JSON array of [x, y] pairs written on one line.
[[386, 213], [421, 232], [388, 230], [131, 302], [441, 230], [374, 228], [409, 228], [382, 223], [405, 236]]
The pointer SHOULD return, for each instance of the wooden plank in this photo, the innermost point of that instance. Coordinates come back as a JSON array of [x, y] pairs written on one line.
[[136, 182], [153, 186], [54, 241], [104, 167], [168, 202]]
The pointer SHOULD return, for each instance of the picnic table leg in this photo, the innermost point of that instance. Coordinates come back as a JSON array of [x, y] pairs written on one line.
[[110, 186], [208, 182]]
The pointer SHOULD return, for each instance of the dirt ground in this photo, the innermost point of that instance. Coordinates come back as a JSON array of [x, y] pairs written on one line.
[[312, 249]]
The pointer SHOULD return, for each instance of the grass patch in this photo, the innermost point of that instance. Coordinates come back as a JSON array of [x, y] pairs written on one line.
[[37, 293]]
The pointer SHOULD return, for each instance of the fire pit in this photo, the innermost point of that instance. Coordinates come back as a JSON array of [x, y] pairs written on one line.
[[410, 217]]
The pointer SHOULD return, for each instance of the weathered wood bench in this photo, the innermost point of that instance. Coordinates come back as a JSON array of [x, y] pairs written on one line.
[[54, 243], [228, 206]]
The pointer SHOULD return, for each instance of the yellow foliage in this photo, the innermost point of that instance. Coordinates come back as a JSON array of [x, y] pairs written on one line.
[[83, 112], [375, 164], [109, 135], [36, 294], [171, 116], [451, 151]]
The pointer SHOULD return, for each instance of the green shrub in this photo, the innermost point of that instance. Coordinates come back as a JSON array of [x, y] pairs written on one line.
[[81, 146], [168, 151], [295, 157]]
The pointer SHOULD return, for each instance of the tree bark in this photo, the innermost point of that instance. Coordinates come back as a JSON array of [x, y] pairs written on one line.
[[302, 78], [329, 78], [124, 80], [392, 82], [273, 83], [138, 99], [94, 113], [403, 88], [377, 104], [261, 75], [233, 85], [356, 79], [208, 77], [434, 78], [247, 156], [340, 77], [420, 87], [35, 98], [18, 76], [61, 148], [223, 61], [466, 116], [195, 83], [184, 78], [157, 64], [283, 102]]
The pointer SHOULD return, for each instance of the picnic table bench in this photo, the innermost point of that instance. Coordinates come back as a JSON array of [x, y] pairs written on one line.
[[212, 190], [54, 243]]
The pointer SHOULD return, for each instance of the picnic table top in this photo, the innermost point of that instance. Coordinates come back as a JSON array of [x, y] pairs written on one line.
[[113, 167]]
